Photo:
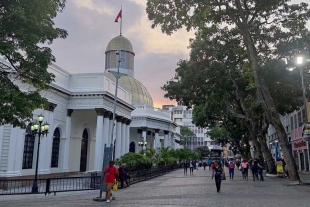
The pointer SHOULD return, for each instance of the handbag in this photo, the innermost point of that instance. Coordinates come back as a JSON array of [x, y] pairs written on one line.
[[223, 177], [115, 186]]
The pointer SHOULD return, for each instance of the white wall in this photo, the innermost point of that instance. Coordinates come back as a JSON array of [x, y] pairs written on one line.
[[82, 119]]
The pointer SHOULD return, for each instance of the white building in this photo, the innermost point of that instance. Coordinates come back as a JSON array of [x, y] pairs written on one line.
[[184, 117], [80, 117]]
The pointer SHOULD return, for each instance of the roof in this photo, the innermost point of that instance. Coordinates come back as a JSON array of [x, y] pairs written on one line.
[[120, 43]]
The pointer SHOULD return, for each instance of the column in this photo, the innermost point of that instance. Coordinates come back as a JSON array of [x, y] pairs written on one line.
[[110, 129], [106, 129], [144, 129], [123, 148], [157, 142], [127, 141], [166, 138], [99, 140], [118, 144], [47, 141], [65, 162]]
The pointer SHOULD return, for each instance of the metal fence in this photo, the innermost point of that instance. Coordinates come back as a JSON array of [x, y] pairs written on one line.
[[80, 183]]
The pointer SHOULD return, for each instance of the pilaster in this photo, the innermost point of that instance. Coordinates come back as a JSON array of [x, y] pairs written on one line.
[[127, 141], [144, 129], [118, 143], [123, 149], [157, 142], [99, 139], [65, 162]]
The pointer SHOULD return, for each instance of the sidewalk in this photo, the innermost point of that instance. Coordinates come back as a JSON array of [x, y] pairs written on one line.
[[176, 189]]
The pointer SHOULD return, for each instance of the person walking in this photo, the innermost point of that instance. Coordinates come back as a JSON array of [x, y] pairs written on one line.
[[204, 165], [126, 175], [231, 170], [185, 166], [110, 174], [191, 167], [260, 168], [254, 169], [217, 174], [121, 175], [209, 164], [245, 169]]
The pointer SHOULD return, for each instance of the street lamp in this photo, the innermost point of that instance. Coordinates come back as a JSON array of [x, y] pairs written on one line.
[[38, 129], [142, 143]]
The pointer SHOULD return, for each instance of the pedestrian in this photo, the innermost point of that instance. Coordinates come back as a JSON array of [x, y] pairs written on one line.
[[191, 167], [110, 174], [231, 170], [126, 175], [185, 166], [197, 165], [209, 164], [260, 168], [121, 175], [218, 176], [254, 169], [204, 165], [245, 169]]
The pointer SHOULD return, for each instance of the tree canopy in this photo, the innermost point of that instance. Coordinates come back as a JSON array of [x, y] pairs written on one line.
[[261, 34], [26, 27]]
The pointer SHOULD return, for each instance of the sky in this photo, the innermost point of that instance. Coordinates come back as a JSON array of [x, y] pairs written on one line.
[[90, 26]]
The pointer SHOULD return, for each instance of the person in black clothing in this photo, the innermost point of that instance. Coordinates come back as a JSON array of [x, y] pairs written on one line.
[[126, 174], [185, 166], [254, 169], [121, 175], [260, 168], [217, 173], [204, 165]]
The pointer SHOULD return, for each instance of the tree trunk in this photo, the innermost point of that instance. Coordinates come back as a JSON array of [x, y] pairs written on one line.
[[255, 142], [267, 154], [264, 96]]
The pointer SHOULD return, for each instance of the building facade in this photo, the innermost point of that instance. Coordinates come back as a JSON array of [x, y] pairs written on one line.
[[184, 117], [293, 125], [80, 112]]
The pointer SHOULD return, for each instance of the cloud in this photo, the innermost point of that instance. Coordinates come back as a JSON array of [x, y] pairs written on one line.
[[154, 41], [90, 25]]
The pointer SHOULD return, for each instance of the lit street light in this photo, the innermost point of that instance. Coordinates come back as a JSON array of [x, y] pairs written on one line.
[[38, 129]]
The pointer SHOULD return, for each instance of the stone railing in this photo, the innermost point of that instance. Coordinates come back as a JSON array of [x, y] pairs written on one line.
[[144, 109]]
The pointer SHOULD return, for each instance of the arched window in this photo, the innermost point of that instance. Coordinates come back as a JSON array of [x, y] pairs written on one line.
[[84, 149], [28, 149], [132, 147], [55, 148]]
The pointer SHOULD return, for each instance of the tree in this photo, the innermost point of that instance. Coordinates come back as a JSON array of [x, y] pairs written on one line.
[[203, 151], [187, 135], [25, 26], [263, 28]]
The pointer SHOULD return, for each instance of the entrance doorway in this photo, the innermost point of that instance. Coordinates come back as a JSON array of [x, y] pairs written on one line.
[[132, 147], [84, 149]]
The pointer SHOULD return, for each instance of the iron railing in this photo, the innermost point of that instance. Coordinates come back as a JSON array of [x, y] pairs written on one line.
[[80, 183]]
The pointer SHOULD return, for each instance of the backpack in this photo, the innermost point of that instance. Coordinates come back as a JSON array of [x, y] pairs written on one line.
[[231, 165]]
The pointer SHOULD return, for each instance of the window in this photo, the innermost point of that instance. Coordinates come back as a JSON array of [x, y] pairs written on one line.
[[300, 122], [292, 123], [28, 149], [55, 148]]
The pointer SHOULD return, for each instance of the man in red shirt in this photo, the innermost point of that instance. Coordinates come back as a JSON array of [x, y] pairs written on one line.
[[110, 174]]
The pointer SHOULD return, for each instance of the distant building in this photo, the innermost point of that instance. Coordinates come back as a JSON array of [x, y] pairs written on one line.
[[184, 117]]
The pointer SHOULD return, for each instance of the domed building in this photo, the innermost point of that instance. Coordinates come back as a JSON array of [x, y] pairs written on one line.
[[80, 115], [140, 94], [149, 125]]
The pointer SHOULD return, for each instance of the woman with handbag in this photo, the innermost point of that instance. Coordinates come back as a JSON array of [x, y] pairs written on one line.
[[217, 173]]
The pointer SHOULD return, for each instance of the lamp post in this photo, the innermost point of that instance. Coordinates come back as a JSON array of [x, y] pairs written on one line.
[[38, 129], [108, 151], [142, 143]]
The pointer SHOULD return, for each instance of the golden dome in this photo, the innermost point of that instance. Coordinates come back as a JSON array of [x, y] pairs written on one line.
[[120, 43], [138, 91]]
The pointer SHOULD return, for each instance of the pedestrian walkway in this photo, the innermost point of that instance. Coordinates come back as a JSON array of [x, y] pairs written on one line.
[[176, 189]]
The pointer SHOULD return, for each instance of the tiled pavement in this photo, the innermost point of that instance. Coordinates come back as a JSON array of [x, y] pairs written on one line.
[[175, 189]]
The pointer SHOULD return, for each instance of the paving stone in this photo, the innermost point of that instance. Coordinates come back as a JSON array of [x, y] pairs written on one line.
[[176, 189]]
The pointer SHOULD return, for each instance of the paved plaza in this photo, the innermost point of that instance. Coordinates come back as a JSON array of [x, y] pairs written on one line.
[[175, 189]]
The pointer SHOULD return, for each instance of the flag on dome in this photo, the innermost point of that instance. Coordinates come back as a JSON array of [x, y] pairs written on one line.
[[118, 16]]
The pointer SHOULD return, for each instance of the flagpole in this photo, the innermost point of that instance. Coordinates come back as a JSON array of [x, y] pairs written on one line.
[[121, 24]]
